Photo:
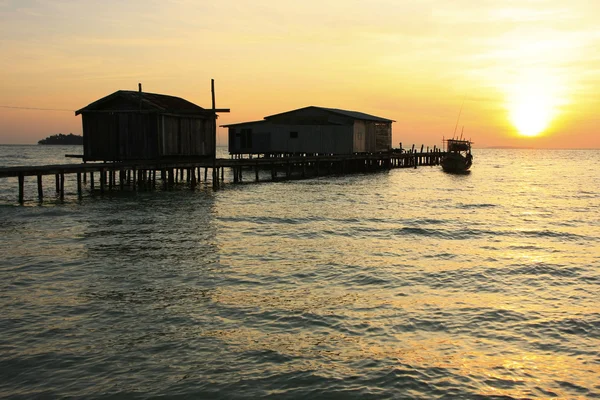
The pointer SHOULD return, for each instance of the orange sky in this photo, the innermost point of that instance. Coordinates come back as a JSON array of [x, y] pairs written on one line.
[[527, 67]]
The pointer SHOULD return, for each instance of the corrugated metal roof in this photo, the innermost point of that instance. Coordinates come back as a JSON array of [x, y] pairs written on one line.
[[262, 121], [356, 115], [150, 101], [346, 113]]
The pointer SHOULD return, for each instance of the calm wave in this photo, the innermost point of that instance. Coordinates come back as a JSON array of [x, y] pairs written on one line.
[[401, 284]]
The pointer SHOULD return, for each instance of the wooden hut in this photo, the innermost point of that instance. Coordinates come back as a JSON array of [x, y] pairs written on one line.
[[312, 130], [129, 125]]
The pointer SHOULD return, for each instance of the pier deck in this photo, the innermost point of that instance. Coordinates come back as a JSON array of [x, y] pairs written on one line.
[[171, 171]]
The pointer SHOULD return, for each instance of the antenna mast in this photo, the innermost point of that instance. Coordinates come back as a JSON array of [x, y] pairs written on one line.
[[458, 118]]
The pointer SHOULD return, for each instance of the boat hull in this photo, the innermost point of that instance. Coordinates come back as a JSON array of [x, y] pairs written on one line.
[[456, 163]]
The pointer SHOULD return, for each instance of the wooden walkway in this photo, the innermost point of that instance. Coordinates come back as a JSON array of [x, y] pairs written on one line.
[[118, 175]]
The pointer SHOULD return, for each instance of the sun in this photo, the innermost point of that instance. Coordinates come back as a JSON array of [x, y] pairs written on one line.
[[531, 114], [533, 103]]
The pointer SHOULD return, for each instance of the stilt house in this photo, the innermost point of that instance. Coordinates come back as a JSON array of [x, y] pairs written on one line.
[[312, 130], [129, 125]]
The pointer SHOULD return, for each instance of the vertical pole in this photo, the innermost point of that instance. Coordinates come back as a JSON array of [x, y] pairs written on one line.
[[102, 180], [21, 186], [40, 188], [62, 185], [92, 181], [214, 131], [57, 179], [79, 184]]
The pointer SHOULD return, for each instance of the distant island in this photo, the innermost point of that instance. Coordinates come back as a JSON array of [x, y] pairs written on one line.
[[62, 139]]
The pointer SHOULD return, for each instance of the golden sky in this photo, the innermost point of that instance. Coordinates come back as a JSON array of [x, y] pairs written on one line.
[[527, 71]]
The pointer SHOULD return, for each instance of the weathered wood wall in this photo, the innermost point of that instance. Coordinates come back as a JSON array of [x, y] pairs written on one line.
[[378, 136], [122, 136], [260, 138], [187, 136]]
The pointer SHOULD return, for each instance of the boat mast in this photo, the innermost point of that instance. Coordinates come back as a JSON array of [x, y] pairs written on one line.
[[458, 118]]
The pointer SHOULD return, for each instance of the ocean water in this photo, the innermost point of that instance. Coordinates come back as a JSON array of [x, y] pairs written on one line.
[[409, 283]]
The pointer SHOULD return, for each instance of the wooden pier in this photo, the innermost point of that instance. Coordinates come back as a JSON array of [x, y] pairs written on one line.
[[146, 174]]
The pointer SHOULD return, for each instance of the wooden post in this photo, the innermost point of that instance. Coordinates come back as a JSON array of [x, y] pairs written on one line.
[[102, 180], [57, 178], [133, 176], [92, 181], [110, 180], [222, 174], [21, 187], [235, 175], [79, 184], [205, 174], [40, 188], [62, 185], [84, 178]]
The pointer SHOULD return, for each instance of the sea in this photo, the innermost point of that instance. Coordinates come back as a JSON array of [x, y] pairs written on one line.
[[400, 284]]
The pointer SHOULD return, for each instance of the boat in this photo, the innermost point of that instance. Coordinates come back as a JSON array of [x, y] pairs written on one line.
[[458, 157]]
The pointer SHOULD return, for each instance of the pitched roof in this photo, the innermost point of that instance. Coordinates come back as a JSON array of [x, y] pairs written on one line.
[[150, 101], [346, 113]]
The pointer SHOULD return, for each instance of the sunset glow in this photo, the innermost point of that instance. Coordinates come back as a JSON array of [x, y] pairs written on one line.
[[406, 61], [533, 104]]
